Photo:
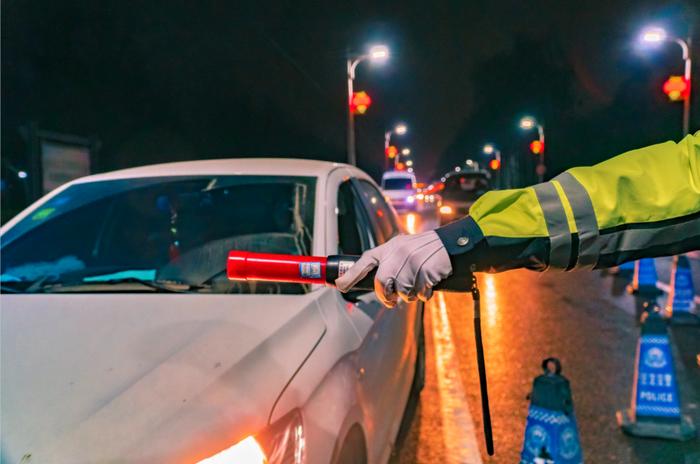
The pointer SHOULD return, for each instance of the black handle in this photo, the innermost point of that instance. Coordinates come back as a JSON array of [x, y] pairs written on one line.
[[336, 265]]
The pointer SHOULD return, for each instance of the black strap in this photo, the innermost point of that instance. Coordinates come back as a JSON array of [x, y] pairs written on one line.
[[485, 410]]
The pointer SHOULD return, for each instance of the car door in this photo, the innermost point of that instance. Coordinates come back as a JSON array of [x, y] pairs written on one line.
[[387, 353]]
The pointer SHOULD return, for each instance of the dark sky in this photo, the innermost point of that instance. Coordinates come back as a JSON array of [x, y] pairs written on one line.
[[169, 80]]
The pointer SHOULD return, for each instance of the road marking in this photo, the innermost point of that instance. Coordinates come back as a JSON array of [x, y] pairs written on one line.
[[458, 431]]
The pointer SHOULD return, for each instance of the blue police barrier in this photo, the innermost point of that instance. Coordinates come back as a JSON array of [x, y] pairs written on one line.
[[681, 299], [551, 433], [644, 278], [626, 269], [656, 406]]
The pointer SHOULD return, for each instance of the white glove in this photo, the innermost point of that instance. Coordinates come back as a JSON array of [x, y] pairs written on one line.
[[409, 266]]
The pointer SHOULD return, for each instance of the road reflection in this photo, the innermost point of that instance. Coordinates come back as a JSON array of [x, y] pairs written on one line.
[[411, 223], [491, 300]]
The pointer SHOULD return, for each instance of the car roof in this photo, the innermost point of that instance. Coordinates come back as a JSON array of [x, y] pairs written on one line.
[[468, 174], [229, 166], [398, 175]]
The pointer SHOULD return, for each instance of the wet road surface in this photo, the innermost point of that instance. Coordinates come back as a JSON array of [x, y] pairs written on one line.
[[587, 320]]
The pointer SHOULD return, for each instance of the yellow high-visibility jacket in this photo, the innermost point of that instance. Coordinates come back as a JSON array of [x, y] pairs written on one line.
[[643, 203]]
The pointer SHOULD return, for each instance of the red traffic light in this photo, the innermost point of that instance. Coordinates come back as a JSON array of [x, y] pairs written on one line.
[[360, 102], [537, 147], [677, 88], [495, 164], [391, 151]]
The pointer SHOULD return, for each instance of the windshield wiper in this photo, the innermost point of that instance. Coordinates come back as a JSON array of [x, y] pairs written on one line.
[[161, 286]]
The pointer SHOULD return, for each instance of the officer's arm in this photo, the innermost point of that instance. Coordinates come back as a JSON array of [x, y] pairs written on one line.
[[643, 203]]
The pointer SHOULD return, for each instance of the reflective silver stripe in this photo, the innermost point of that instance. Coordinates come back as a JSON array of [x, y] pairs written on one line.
[[558, 228], [586, 222], [627, 240]]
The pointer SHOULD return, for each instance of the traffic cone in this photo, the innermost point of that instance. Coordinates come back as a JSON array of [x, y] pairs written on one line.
[[656, 407], [551, 434], [681, 299], [644, 278]]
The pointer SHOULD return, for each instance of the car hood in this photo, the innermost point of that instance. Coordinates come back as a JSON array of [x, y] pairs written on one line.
[[114, 378]]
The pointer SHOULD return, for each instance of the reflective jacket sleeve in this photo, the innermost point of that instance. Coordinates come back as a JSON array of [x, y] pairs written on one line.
[[643, 203]]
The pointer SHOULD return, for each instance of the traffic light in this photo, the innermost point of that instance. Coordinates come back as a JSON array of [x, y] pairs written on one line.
[[360, 102], [537, 147], [391, 151], [495, 164], [677, 88]]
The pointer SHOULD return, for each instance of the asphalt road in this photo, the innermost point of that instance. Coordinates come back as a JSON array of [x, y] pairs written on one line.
[[587, 320]]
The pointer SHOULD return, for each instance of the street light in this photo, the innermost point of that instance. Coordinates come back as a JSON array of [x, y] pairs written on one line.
[[495, 164], [529, 123], [376, 54], [409, 163], [406, 151], [399, 129], [655, 36]]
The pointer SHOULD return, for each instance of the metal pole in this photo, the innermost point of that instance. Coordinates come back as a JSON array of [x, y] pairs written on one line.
[[387, 141], [685, 45], [540, 173], [351, 117]]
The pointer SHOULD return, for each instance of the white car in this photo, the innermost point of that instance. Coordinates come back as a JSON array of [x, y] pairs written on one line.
[[400, 190], [123, 341]]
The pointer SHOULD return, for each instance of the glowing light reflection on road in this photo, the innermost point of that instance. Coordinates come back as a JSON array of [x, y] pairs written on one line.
[[491, 300], [411, 223], [458, 431]]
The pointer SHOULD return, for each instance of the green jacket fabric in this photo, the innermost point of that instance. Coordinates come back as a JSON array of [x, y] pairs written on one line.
[[643, 203]]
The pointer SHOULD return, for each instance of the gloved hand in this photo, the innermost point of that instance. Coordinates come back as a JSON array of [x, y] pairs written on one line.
[[409, 266]]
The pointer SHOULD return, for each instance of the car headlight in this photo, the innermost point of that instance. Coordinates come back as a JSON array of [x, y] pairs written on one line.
[[410, 199], [281, 443], [445, 209], [420, 196]]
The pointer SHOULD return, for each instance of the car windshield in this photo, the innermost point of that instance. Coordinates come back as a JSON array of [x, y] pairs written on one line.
[[397, 184], [158, 231], [466, 187]]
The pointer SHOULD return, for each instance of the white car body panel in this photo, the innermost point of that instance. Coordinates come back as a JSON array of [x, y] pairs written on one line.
[[177, 378], [76, 366]]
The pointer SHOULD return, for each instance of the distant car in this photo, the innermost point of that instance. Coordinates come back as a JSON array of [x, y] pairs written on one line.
[[400, 190], [461, 190], [123, 341]]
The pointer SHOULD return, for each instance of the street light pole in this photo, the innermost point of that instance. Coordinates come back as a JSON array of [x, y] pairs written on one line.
[[376, 53], [540, 166], [351, 65], [489, 149], [528, 123], [399, 129], [685, 45], [656, 35]]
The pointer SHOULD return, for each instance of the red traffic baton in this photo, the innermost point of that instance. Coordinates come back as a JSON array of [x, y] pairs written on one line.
[[247, 265]]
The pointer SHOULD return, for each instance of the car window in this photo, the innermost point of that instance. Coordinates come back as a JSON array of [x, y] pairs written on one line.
[[354, 234], [465, 187], [381, 215], [397, 184], [162, 228]]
